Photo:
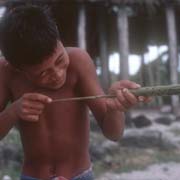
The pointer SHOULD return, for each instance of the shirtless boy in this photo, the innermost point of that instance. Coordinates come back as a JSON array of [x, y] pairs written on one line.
[[37, 70]]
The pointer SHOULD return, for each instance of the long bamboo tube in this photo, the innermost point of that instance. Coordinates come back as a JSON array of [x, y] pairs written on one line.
[[157, 90], [143, 91]]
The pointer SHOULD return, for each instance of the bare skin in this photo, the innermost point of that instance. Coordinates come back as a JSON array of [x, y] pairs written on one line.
[[55, 135]]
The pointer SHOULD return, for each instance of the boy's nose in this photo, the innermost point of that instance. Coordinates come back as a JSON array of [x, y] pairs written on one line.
[[58, 71], [57, 74]]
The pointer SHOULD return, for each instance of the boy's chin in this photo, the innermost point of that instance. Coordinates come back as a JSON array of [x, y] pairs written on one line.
[[54, 86]]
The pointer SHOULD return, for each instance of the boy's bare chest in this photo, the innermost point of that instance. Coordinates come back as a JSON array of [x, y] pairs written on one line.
[[56, 113]]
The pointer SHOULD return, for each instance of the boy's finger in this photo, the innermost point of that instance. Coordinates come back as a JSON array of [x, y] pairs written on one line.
[[129, 96], [121, 97], [141, 98], [33, 105], [144, 99], [38, 97], [129, 84], [33, 118], [120, 106], [148, 99]]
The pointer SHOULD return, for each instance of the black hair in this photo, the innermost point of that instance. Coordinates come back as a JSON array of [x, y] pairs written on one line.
[[28, 35]]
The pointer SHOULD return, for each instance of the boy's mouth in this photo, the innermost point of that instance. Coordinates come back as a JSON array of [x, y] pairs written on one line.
[[57, 84]]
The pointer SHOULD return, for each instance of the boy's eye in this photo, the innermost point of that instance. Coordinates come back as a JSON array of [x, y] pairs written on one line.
[[42, 74], [59, 61]]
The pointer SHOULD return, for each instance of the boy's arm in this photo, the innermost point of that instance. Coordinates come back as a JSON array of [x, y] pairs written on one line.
[[108, 112], [28, 107], [7, 119], [89, 85]]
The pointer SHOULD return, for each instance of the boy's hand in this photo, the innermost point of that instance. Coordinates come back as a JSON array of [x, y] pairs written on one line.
[[30, 106], [124, 100]]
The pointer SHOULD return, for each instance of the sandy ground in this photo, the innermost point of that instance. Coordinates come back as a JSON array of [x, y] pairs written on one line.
[[165, 171], [169, 171]]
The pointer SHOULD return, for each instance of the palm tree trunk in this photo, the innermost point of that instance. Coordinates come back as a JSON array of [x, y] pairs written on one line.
[[123, 40], [150, 73], [103, 49], [158, 76], [142, 72], [172, 37], [82, 26]]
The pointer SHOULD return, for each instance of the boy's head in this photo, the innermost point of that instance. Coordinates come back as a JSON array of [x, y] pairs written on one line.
[[29, 40], [28, 35]]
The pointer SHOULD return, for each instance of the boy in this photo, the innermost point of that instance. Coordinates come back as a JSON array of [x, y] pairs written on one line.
[[37, 70]]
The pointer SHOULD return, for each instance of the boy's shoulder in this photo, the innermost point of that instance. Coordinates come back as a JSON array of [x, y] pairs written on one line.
[[6, 70], [4, 66], [3, 62], [75, 52], [77, 56], [81, 62]]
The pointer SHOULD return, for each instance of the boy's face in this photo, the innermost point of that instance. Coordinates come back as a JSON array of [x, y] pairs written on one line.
[[51, 73]]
